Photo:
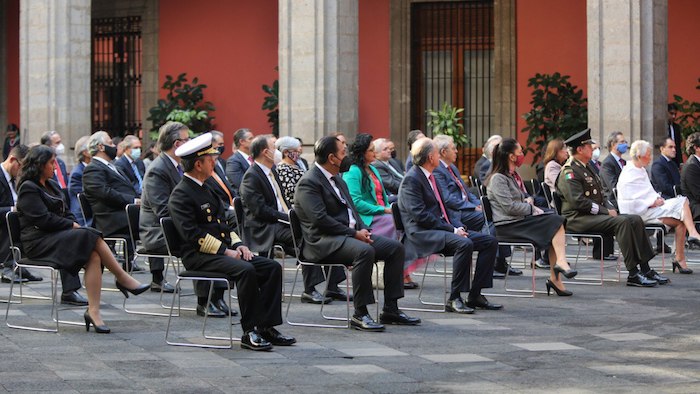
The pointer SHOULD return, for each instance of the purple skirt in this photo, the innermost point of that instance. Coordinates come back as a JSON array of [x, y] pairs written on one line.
[[384, 225]]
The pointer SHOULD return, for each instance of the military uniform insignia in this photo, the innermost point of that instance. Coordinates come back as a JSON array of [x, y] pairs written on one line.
[[569, 175]]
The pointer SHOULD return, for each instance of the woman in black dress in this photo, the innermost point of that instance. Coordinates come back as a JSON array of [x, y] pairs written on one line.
[[49, 233], [517, 217]]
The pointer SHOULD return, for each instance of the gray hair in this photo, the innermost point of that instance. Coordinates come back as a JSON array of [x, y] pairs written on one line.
[[81, 147], [491, 144], [443, 141], [95, 141], [379, 144], [421, 150], [639, 149], [128, 142], [287, 143], [168, 134], [612, 139]]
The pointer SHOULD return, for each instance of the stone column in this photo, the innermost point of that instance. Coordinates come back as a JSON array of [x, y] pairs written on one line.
[[504, 100], [3, 69], [318, 68], [55, 69], [627, 68]]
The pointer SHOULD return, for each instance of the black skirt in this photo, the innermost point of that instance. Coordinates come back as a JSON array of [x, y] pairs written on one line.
[[536, 229], [70, 249]]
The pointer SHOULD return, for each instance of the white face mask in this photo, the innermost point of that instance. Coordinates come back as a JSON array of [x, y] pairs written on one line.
[[60, 149], [278, 156], [596, 154]]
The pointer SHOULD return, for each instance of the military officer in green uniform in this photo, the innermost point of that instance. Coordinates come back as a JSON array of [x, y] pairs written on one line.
[[586, 210]]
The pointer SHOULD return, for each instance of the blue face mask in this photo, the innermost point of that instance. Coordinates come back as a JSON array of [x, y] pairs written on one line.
[[622, 147], [136, 153]]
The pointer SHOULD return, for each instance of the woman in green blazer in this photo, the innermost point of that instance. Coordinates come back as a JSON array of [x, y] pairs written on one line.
[[368, 194]]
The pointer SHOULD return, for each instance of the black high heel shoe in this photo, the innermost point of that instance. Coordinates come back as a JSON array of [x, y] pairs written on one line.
[[568, 274], [681, 270], [98, 329], [560, 293], [693, 241], [135, 291]]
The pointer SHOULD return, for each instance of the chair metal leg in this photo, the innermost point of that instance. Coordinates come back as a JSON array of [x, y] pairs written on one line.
[[53, 298], [444, 275]]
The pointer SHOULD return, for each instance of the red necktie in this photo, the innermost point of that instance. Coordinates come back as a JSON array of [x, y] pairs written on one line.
[[464, 193], [250, 160], [59, 175], [431, 178], [622, 162]]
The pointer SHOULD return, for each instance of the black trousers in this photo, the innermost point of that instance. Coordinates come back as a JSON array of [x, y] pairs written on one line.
[[461, 249], [259, 284], [362, 257]]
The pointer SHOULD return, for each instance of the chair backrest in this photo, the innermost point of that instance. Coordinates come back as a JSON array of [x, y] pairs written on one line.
[[556, 197], [482, 189], [396, 215], [475, 183], [614, 190], [529, 186], [240, 215], [486, 207], [86, 209], [13, 229], [133, 212], [172, 237], [676, 190], [547, 193], [536, 187], [297, 236]]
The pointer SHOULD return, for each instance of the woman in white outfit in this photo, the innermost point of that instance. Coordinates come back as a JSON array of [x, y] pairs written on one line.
[[635, 195]]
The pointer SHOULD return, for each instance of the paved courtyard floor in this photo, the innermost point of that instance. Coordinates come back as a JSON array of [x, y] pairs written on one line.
[[609, 338]]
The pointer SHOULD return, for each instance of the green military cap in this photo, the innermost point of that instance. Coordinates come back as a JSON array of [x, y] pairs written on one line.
[[580, 138]]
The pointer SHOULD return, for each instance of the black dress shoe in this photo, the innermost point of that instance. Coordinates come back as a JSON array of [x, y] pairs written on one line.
[[315, 298], [163, 286], [457, 306], [398, 317], [26, 274], [220, 304], [132, 267], [365, 323], [610, 257], [9, 275], [653, 275], [276, 338], [210, 311], [337, 294], [498, 275], [501, 268], [252, 340], [73, 298], [639, 280], [410, 285], [539, 263], [483, 303]]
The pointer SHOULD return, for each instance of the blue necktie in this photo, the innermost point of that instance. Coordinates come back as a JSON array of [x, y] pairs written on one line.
[[138, 176]]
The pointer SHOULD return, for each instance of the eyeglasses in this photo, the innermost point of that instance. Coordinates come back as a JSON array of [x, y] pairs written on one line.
[[183, 139]]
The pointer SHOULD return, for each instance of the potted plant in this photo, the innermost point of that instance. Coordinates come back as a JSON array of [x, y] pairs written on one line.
[[558, 111], [688, 115], [184, 103], [271, 103], [448, 122]]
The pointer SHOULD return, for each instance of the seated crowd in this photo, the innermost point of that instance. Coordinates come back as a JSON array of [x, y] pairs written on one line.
[[344, 203]]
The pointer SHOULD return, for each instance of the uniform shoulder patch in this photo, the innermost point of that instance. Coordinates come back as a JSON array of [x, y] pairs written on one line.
[[568, 174]]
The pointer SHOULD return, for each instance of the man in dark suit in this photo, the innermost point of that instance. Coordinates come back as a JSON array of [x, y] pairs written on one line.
[[158, 182], [333, 232], [238, 163], [391, 177], [428, 230], [690, 176], [612, 165], [595, 164], [75, 183], [675, 132], [130, 162], [209, 245], [413, 136], [108, 190], [53, 139], [483, 165], [664, 171], [396, 163], [267, 219], [8, 199], [219, 182], [463, 207]]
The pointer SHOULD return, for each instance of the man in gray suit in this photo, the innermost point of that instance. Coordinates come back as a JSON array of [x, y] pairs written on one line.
[[333, 231], [160, 180], [428, 230]]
